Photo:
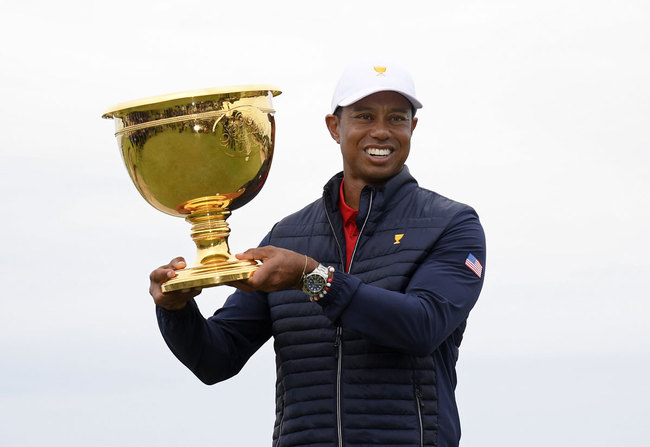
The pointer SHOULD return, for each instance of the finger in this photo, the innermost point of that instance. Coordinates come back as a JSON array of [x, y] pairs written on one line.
[[190, 293], [251, 254], [162, 274], [259, 253], [259, 277], [178, 263], [241, 285]]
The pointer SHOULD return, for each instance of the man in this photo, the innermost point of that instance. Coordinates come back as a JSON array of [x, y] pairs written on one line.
[[366, 291]]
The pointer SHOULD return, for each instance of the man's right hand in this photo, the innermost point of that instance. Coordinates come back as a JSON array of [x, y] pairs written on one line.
[[175, 300]]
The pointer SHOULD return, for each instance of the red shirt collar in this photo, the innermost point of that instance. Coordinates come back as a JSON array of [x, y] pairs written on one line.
[[349, 216]]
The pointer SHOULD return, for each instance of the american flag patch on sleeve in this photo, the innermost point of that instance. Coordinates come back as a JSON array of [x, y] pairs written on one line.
[[474, 265]]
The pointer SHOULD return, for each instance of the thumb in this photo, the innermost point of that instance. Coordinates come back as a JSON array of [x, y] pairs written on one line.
[[259, 253], [250, 254]]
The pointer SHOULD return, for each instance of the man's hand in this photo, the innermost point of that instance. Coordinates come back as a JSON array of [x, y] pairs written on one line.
[[280, 269], [176, 300]]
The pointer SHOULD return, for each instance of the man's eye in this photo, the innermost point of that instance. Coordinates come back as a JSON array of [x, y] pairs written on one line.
[[398, 118], [364, 116]]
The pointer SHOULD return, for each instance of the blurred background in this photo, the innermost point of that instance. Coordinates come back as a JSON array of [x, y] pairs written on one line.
[[535, 113]]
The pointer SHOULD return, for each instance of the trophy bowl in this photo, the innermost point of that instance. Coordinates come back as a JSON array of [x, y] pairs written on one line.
[[199, 155]]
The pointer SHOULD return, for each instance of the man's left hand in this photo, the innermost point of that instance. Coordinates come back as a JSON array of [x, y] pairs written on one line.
[[280, 269]]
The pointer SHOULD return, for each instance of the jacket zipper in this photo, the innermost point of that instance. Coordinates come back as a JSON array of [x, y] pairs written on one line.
[[338, 349], [336, 239], [418, 401], [339, 358], [356, 244], [338, 345]]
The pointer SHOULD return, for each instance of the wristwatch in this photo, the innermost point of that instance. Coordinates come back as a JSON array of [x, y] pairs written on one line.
[[317, 283]]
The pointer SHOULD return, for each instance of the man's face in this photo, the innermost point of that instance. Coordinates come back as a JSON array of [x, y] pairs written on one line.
[[375, 137]]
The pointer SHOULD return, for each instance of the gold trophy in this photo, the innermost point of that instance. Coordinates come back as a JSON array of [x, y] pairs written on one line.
[[200, 155]]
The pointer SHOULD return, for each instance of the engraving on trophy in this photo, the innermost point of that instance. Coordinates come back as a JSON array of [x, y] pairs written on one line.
[[235, 136]]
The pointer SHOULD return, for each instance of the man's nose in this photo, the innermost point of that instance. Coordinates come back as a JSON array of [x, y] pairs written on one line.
[[380, 130]]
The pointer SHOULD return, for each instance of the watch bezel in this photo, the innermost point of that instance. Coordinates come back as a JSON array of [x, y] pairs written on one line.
[[316, 281]]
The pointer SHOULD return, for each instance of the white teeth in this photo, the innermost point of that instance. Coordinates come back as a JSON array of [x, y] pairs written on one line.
[[378, 152]]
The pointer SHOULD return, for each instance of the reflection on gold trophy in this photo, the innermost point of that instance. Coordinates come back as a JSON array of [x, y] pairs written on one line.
[[200, 155]]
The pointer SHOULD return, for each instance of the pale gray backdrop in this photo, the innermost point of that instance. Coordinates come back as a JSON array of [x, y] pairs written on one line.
[[536, 113]]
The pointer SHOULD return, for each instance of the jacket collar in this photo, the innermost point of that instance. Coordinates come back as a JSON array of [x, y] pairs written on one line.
[[395, 189]]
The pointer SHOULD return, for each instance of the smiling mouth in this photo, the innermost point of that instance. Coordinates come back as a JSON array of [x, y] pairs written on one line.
[[378, 152]]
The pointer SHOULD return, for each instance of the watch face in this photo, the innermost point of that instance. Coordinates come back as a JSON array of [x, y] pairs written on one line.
[[314, 284]]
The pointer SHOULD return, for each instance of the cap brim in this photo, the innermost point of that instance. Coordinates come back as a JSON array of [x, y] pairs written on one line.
[[367, 92]]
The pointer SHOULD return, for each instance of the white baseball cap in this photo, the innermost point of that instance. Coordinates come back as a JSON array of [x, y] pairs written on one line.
[[365, 78]]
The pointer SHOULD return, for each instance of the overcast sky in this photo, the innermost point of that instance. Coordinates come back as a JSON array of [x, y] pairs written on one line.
[[535, 113]]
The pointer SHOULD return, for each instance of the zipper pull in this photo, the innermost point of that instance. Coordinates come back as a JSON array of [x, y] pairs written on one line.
[[418, 395], [337, 342]]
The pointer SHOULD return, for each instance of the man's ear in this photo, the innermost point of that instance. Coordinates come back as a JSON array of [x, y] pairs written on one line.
[[332, 122]]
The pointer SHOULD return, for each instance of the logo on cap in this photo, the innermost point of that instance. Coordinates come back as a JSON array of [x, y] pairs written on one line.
[[380, 70]]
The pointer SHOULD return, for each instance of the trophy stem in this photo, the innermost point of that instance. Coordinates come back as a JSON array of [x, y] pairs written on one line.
[[210, 233], [214, 264]]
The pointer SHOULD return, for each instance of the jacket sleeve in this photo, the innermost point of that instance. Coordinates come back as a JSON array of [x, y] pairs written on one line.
[[437, 300], [217, 348]]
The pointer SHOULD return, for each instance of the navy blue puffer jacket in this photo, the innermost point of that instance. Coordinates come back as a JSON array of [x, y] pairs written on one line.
[[373, 363]]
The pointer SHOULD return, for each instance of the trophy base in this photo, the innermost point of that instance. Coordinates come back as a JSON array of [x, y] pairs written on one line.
[[210, 275]]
